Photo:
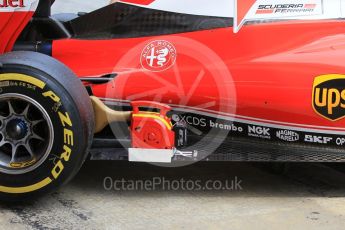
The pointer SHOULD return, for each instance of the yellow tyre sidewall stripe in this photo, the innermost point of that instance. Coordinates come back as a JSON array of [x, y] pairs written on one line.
[[39, 84], [23, 78], [26, 189]]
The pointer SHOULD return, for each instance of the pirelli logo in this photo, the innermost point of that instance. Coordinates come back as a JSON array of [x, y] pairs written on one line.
[[329, 96]]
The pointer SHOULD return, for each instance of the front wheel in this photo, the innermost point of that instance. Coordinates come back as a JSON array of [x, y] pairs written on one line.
[[46, 125]]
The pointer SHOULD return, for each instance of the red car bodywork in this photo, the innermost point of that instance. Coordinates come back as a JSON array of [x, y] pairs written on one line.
[[11, 25], [273, 67], [263, 82]]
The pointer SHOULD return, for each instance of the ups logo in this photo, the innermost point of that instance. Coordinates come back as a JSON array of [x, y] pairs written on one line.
[[329, 96]]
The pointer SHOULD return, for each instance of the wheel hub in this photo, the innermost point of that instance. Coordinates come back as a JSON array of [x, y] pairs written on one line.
[[17, 129], [26, 134]]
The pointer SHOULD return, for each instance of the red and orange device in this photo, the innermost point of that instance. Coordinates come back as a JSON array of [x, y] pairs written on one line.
[[151, 130]]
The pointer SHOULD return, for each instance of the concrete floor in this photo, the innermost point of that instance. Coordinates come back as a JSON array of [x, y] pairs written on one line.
[[307, 196]]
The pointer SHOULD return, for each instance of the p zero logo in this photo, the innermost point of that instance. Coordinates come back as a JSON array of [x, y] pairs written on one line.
[[329, 96], [11, 3]]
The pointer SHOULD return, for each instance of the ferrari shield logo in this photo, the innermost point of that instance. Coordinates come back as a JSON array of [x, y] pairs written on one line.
[[329, 96]]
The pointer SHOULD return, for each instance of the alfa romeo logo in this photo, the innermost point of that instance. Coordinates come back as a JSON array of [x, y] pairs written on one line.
[[158, 56]]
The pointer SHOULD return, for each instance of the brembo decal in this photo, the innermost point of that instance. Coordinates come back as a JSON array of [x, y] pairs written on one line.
[[328, 99]]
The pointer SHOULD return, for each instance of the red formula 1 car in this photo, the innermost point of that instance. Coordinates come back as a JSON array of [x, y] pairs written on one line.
[[169, 82]]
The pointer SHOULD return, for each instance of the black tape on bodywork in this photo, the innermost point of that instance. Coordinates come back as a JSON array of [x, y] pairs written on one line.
[[127, 21]]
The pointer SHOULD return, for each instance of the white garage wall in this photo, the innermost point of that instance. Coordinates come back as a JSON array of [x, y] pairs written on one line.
[[75, 6]]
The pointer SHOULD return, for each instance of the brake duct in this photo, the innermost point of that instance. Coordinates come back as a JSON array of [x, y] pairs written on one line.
[[152, 133], [104, 115], [149, 130]]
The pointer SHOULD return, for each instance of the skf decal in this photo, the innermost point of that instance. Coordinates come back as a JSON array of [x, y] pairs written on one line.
[[158, 56], [317, 139], [329, 96], [11, 3]]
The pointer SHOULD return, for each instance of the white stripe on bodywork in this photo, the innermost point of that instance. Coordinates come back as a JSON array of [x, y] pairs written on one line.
[[325, 9], [29, 5], [244, 119]]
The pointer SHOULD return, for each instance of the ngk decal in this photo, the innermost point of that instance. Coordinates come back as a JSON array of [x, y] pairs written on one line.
[[328, 98], [250, 10], [158, 56], [258, 131], [11, 3]]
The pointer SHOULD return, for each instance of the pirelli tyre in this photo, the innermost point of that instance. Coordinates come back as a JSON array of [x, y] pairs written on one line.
[[46, 125]]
